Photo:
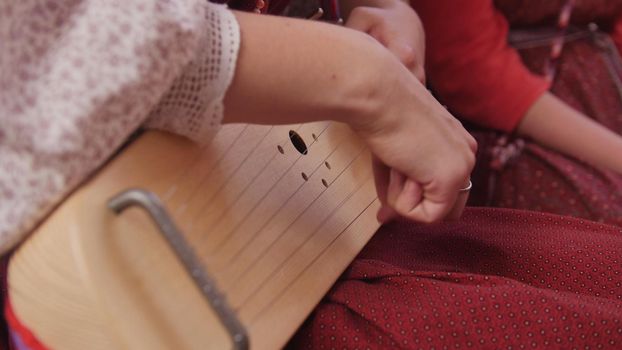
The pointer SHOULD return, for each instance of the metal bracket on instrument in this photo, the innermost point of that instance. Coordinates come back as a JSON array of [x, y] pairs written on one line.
[[150, 203]]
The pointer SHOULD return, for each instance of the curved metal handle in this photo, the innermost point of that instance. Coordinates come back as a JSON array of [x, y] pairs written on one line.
[[152, 205]]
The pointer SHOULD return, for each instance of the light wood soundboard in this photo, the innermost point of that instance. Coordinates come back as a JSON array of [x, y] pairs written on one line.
[[274, 228]]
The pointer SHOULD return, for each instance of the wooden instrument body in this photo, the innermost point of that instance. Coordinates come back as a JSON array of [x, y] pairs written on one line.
[[273, 227]]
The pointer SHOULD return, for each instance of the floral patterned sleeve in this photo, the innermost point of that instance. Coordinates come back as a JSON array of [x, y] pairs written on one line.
[[77, 77]]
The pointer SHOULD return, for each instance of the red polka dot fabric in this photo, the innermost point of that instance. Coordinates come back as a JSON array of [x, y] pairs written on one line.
[[495, 279]]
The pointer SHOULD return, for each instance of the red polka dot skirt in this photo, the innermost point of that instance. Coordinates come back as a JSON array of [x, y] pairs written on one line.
[[496, 279]]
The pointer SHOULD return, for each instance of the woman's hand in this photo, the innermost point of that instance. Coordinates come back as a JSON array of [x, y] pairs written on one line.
[[422, 155], [395, 25], [406, 189], [287, 73]]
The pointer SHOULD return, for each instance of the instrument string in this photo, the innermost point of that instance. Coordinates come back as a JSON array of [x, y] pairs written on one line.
[[172, 189], [255, 235], [276, 297], [206, 207], [196, 163], [296, 249], [206, 236], [235, 171], [180, 208], [196, 167], [284, 231]]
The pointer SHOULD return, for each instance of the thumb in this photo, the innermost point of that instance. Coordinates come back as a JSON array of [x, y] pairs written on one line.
[[361, 19]]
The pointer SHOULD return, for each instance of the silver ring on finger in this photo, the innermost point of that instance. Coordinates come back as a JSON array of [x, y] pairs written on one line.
[[466, 189]]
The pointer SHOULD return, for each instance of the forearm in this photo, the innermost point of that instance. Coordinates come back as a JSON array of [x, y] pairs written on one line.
[[292, 70], [554, 124]]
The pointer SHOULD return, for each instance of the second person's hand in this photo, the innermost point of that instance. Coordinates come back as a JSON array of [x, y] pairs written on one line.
[[395, 25]]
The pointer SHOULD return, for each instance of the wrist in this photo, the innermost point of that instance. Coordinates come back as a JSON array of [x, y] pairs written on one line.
[[366, 96]]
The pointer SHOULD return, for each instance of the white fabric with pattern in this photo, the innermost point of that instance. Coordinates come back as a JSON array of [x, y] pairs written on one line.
[[77, 77]]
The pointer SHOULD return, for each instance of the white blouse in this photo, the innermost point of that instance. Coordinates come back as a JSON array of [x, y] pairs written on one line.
[[77, 77]]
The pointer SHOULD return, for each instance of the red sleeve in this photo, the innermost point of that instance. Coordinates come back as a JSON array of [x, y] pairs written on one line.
[[471, 66]]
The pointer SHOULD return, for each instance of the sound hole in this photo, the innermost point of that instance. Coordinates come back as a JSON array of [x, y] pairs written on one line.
[[305, 177], [324, 182], [298, 142]]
